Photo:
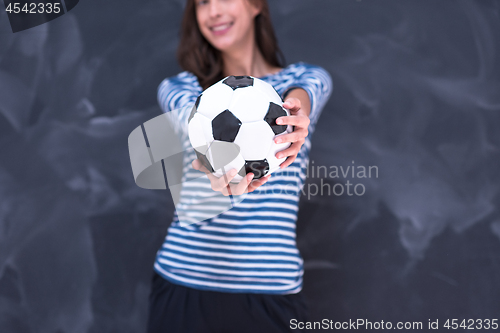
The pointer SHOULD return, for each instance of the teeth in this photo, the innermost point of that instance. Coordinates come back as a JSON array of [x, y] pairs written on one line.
[[221, 27]]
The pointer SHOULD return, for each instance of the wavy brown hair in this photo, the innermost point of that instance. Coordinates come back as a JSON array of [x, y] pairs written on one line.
[[196, 55]]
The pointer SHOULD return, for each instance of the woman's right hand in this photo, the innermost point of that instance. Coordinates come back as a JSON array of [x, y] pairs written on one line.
[[221, 184]]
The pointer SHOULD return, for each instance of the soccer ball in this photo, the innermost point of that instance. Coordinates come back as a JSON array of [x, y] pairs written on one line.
[[233, 125]]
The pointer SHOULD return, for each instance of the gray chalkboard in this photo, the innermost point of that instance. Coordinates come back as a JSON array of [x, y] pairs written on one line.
[[416, 101]]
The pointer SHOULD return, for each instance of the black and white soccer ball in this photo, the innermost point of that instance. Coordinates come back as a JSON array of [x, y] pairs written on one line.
[[233, 125]]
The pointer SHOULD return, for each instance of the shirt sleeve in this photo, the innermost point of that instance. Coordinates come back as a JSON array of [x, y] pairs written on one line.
[[177, 93], [317, 82]]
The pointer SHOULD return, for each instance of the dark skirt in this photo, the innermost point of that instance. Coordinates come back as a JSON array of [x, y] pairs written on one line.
[[174, 308]]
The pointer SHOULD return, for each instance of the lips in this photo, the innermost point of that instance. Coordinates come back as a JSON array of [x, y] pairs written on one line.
[[221, 28]]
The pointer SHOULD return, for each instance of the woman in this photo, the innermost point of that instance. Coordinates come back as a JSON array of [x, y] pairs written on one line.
[[239, 271]]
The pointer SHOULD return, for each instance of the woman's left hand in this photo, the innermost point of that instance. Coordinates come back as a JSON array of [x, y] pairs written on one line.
[[298, 118]]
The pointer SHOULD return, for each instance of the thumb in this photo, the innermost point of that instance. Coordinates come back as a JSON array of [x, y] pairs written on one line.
[[293, 104]]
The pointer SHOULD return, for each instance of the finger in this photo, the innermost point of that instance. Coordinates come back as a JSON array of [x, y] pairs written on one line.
[[219, 183], [225, 191], [292, 150], [295, 136], [257, 183], [299, 121], [197, 165], [293, 104], [288, 161], [241, 187]]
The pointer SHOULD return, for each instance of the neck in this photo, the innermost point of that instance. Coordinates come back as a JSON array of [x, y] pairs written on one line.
[[246, 60]]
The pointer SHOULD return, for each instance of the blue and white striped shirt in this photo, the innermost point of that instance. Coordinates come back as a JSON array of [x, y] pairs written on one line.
[[251, 247]]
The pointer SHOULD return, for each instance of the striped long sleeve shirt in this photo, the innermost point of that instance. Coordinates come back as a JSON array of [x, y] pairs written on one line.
[[250, 248]]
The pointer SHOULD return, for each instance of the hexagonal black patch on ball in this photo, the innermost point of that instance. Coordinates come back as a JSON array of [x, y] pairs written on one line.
[[275, 111], [204, 161], [236, 82], [195, 107], [258, 168], [225, 126]]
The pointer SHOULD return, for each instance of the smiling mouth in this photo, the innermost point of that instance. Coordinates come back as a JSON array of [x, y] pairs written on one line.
[[221, 27]]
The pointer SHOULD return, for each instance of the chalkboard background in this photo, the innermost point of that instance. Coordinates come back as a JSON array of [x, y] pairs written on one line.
[[416, 94]]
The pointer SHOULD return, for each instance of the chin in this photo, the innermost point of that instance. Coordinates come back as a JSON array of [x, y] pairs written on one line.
[[222, 44], [223, 47]]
